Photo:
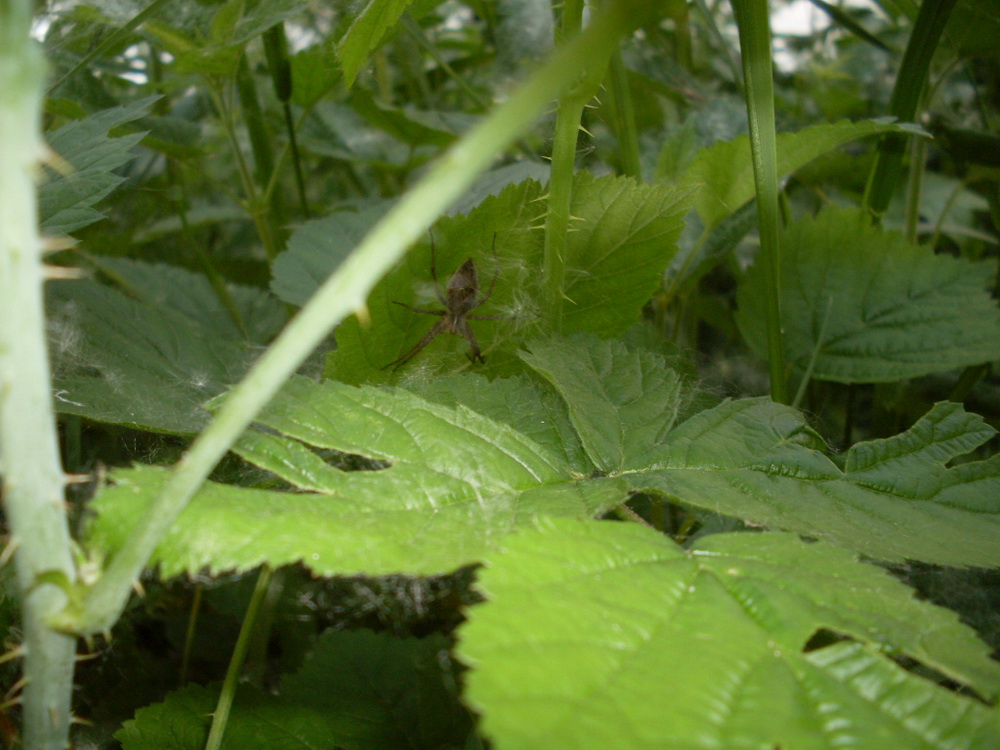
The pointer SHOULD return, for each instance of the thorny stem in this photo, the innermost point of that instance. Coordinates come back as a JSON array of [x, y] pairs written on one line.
[[33, 480]]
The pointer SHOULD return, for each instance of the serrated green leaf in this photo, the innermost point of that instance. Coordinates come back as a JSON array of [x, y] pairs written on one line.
[[598, 635], [454, 483], [622, 401], [516, 401], [896, 499], [119, 360], [873, 307], [317, 247], [163, 286], [257, 720], [725, 173], [618, 250], [66, 201], [365, 34]]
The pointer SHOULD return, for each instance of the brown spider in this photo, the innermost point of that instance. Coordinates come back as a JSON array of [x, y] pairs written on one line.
[[459, 299]]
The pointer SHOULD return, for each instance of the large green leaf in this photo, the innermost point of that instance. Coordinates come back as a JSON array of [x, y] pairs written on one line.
[[150, 362], [618, 250], [599, 635], [317, 247], [871, 306], [895, 498], [725, 172], [622, 401], [446, 484], [66, 200]]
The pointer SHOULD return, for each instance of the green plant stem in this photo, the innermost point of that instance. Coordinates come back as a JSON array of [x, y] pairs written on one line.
[[623, 116], [269, 210], [918, 154], [755, 43], [560, 198], [220, 717], [930, 23], [343, 293], [33, 480]]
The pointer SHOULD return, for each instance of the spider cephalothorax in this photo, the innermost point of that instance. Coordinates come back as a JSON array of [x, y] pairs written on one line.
[[459, 299]]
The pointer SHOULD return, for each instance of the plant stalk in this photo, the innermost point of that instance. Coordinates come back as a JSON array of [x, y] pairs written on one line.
[[755, 43], [927, 30], [33, 480]]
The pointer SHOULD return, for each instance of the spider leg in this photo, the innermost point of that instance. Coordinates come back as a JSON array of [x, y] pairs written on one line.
[[439, 327], [419, 310], [462, 327]]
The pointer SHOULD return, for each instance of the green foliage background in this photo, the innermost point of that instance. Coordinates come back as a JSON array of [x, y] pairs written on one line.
[[605, 535]]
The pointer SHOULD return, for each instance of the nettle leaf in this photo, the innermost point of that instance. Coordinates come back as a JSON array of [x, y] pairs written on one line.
[[356, 689], [725, 172], [618, 251], [151, 362], [66, 201], [598, 635], [622, 401], [528, 407], [759, 461], [616, 256], [871, 306], [160, 285], [895, 499], [446, 484]]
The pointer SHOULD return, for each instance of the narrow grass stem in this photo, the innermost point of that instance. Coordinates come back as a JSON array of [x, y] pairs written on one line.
[[755, 42]]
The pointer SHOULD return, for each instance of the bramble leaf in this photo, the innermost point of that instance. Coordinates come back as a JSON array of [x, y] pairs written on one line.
[[895, 499], [151, 362], [626, 234], [621, 401], [442, 484], [873, 307], [599, 635]]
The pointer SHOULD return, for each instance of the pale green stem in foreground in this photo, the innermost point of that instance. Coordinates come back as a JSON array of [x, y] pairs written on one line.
[[29, 453], [755, 44], [343, 293]]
